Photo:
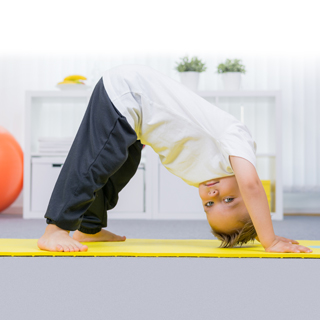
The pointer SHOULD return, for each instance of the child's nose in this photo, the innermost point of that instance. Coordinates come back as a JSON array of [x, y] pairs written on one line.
[[212, 192]]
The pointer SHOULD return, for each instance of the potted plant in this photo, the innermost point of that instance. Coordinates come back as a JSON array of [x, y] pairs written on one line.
[[231, 73], [189, 71]]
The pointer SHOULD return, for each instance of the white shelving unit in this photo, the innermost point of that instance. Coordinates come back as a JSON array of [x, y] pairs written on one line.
[[157, 193], [59, 114]]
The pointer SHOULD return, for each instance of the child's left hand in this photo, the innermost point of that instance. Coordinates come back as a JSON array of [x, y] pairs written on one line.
[[280, 246], [283, 240]]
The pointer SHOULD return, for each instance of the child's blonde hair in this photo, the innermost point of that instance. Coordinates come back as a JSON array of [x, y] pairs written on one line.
[[241, 236]]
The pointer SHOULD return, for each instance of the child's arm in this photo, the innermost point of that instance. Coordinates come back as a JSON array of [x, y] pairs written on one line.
[[256, 202]]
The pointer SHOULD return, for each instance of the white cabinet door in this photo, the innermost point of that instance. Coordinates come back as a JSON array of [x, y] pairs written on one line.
[[46, 170], [44, 174], [175, 196], [131, 197]]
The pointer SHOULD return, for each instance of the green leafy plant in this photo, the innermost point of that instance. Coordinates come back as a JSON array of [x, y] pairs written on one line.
[[231, 66], [194, 65]]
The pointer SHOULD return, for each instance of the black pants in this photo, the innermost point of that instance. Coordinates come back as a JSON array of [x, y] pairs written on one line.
[[104, 156]]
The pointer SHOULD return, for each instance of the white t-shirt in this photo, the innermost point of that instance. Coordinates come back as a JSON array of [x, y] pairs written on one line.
[[192, 137]]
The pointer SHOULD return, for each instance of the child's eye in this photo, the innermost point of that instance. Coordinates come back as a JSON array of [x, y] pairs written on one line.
[[229, 198], [212, 202]]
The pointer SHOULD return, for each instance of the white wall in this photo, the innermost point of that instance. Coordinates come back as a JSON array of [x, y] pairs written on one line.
[[276, 40], [297, 78]]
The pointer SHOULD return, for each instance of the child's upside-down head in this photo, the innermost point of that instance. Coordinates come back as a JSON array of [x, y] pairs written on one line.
[[226, 212]]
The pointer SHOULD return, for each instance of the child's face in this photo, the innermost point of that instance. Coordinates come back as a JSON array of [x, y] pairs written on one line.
[[223, 204]]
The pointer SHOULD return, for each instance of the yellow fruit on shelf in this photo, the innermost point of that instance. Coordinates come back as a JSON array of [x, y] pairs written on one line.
[[78, 81], [75, 78], [67, 82]]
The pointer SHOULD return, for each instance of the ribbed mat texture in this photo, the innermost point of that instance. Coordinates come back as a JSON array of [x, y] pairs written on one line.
[[156, 248]]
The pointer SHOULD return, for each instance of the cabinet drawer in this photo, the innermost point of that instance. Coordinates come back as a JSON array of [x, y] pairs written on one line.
[[45, 172]]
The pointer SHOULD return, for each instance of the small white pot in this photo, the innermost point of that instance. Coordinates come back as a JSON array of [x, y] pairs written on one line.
[[190, 79], [231, 80]]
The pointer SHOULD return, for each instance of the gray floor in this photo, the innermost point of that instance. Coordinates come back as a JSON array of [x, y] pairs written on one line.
[[159, 288]]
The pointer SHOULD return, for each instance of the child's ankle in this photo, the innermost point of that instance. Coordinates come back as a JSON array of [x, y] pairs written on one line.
[[53, 227]]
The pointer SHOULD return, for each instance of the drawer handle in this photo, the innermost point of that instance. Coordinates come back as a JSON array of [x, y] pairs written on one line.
[[57, 164]]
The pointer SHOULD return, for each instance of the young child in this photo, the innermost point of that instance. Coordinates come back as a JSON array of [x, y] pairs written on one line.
[[206, 147]]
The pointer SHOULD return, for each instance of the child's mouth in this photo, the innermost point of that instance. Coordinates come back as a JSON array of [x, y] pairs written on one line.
[[211, 184]]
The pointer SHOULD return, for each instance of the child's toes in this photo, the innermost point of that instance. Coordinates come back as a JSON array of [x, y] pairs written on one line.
[[71, 248], [79, 247], [59, 248], [119, 238], [66, 249], [84, 248], [76, 248]]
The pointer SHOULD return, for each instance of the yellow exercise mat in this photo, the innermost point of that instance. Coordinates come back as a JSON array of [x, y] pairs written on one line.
[[156, 248]]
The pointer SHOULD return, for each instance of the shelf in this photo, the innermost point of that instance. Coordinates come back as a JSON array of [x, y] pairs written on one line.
[[59, 94], [38, 155], [207, 93], [266, 155], [239, 93], [35, 154]]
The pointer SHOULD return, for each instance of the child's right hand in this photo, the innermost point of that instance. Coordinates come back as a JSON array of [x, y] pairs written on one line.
[[281, 246]]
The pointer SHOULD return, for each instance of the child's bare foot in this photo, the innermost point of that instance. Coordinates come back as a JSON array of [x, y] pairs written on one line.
[[103, 235], [57, 239]]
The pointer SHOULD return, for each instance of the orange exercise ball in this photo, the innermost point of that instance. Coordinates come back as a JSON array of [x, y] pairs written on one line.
[[11, 169]]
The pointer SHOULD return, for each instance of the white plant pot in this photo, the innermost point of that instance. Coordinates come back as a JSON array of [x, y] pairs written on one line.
[[231, 80], [190, 79]]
